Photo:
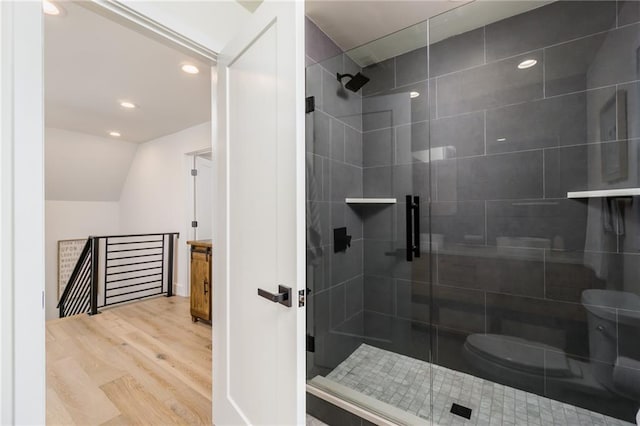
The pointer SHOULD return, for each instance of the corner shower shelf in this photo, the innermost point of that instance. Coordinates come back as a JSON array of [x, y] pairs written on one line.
[[627, 192], [370, 200]]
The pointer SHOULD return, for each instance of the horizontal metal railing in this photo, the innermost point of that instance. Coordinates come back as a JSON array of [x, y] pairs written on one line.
[[135, 266]]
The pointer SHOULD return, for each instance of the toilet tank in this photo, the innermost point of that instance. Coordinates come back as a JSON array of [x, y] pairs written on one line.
[[605, 308]]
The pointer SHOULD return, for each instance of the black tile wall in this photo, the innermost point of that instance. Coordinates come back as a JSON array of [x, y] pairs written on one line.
[[318, 46], [377, 147], [524, 32], [411, 67], [465, 133], [347, 265], [411, 143], [379, 222], [346, 181], [379, 294], [462, 51], [628, 12], [547, 224], [595, 61], [580, 168], [352, 146], [484, 177], [381, 77], [395, 107], [354, 296], [337, 140], [489, 86], [338, 308], [552, 122], [631, 92], [504, 270], [462, 222]]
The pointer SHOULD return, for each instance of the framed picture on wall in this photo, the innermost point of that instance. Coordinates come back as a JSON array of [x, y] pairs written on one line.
[[613, 127], [68, 253]]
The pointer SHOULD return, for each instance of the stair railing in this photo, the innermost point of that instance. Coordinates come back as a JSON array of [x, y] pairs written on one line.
[[135, 266]]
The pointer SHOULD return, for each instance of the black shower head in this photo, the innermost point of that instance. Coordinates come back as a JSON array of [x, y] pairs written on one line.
[[355, 83]]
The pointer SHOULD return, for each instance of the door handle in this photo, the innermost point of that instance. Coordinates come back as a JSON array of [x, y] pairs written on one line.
[[416, 226], [413, 227], [409, 226], [205, 286], [283, 296]]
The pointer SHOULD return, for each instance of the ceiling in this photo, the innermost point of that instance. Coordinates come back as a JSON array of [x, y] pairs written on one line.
[[354, 23], [93, 63], [372, 31]]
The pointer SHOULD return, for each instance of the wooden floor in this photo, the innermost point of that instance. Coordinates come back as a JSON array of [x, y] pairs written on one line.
[[143, 363]]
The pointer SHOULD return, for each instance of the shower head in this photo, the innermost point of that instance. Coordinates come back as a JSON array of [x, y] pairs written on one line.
[[356, 81]]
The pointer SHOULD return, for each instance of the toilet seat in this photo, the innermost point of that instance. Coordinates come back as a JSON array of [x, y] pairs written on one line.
[[519, 354]]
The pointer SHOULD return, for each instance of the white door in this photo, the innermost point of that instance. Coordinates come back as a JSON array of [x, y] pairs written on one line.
[[258, 345], [203, 194]]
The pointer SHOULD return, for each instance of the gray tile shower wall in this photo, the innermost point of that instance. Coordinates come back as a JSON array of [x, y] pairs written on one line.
[[497, 148], [334, 172]]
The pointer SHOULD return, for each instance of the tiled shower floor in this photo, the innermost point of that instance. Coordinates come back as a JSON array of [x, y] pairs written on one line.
[[404, 382]]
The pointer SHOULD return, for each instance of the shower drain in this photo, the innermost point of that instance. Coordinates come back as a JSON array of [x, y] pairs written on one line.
[[461, 410]]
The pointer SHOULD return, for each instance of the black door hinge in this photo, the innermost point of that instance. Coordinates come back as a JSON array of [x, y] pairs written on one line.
[[311, 343], [194, 223], [194, 172], [310, 104]]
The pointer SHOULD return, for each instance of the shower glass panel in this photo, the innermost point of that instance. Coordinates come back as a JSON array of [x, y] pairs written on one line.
[[368, 178], [537, 293], [498, 282]]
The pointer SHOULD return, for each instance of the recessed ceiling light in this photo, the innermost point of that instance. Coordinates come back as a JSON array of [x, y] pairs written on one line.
[[127, 104], [49, 8], [414, 94], [114, 134], [190, 69], [501, 139], [527, 63]]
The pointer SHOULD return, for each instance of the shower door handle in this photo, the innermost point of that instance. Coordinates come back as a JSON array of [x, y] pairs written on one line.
[[283, 296], [416, 226], [413, 227]]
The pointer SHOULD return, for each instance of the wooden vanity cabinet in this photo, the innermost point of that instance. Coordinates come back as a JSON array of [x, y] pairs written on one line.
[[201, 273]]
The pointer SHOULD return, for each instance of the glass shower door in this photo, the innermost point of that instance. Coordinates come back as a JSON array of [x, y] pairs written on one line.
[[368, 185]]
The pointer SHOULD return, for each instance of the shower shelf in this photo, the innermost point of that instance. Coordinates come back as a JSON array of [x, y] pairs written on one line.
[[370, 200], [627, 192]]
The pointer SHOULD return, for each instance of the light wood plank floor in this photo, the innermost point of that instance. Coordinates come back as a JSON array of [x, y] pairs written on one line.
[[142, 363]]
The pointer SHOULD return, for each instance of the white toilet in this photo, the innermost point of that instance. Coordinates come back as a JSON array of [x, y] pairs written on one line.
[[517, 361]]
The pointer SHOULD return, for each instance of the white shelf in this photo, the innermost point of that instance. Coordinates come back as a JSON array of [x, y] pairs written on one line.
[[370, 200], [605, 193]]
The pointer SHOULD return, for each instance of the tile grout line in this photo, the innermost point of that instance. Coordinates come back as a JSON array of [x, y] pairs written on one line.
[[544, 73], [485, 131], [505, 106], [484, 43], [544, 274], [544, 177]]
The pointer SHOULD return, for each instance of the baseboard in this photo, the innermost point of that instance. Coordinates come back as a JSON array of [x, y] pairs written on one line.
[[180, 290]]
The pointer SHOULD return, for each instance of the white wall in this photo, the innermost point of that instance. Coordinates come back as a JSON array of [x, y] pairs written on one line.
[[81, 167], [67, 220], [154, 196]]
